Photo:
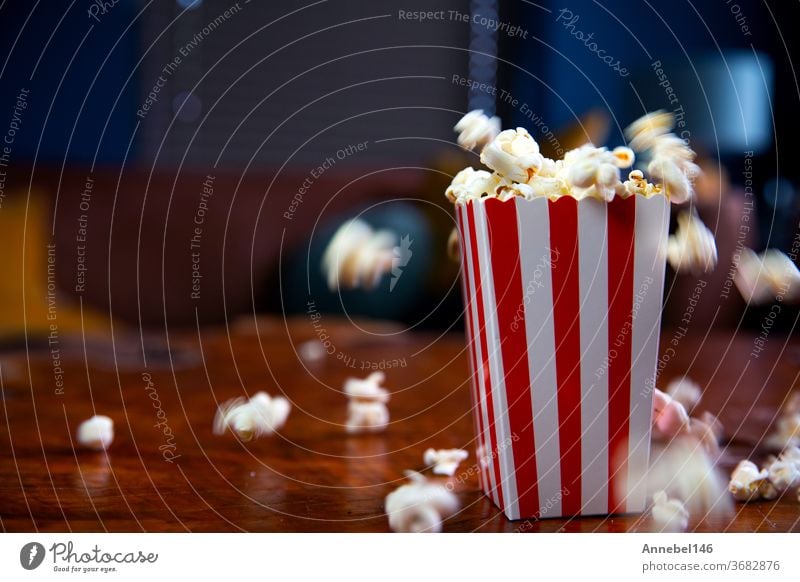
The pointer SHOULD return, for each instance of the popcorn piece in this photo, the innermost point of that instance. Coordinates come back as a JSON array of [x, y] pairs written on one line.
[[747, 482], [784, 474], [692, 248], [444, 461], [669, 515], [470, 184], [476, 129], [787, 434], [624, 157], [592, 172], [357, 256], [636, 184], [513, 154], [250, 419], [762, 278], [686, 391], [367, 409], [96, 433], [311, 351], [669, 416], [419, 506], [644, 132]]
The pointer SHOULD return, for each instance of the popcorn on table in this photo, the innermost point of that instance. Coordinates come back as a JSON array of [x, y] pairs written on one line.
[[762, 278], [692, 248], [358, 256], [519, 170], [96, 433], [748, 482], [250, 419], [669, 515], [419, 506], [366, 409], [444, 461], [476, 129]]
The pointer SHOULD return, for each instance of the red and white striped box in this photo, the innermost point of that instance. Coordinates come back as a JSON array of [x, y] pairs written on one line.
[[563, 303]]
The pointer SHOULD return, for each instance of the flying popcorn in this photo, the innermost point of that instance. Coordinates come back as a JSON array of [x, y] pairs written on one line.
[[708, 431], [513, 154], [786, 434], [747, 482], [366, 409], [96, 433], [476, 129], [669, 515], [686, 391], [444, 461], [358, 256], [671, 159], [762, 278], [669, 416], [685, 472], [259, 416], [419, 506], [692, 248]]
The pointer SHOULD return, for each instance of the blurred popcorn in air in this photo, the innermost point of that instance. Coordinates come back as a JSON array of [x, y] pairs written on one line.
[[250, 419], [444, 461], [692, 248], [686, 391], [358, 256], [787, 428], [762, 278], [684, 471], [419, 506], [669, 515], [670, 418], [513, 154], [708, 431], [671, 159], [476, 129], [367, 410], [311, 351], [96, 433], [747, 482]]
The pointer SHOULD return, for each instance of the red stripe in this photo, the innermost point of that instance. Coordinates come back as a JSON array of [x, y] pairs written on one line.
[[566, 323], [477, 417], [621, 222], [487, 380], [506, 272]]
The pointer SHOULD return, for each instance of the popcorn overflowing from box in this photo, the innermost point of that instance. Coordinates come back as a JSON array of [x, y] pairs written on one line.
[[563, 358]]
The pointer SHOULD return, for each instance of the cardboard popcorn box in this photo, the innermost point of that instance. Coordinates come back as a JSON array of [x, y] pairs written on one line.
[[563, 303]]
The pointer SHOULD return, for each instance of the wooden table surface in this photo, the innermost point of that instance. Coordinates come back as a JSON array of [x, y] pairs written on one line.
[[312, 476]]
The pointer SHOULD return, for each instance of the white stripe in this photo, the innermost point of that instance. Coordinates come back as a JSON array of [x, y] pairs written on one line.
[[490, 484], [505, 453], [593, 250], [652, 223], [537, 287]]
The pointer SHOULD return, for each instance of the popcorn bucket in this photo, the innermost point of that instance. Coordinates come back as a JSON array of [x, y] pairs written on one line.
[[563, 303]]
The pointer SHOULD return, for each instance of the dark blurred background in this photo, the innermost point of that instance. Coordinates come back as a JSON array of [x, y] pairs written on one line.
[[271, 123]]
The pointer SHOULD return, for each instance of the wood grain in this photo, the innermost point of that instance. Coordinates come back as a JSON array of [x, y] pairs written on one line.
[[312, 476]]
